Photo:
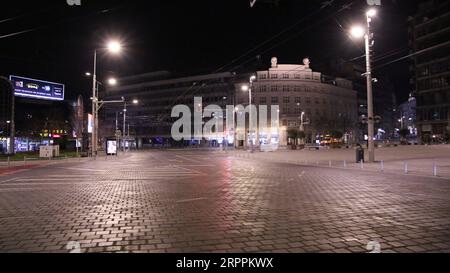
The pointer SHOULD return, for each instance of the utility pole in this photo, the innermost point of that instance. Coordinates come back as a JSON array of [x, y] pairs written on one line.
[[370, 120], [94, 107], [12, 135], [124, 125], [250, 96]]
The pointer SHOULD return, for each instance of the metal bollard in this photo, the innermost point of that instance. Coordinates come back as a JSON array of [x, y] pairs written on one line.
[[362, 164], [382, 165], [9, 162], [435, 170], [406, 167], [330, 164], [345, 164]]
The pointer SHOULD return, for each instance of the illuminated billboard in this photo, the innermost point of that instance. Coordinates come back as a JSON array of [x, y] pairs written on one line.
[[37, 89], [111, 147]]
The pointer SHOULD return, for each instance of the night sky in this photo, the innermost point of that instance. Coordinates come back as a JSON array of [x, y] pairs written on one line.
[[190, 37]]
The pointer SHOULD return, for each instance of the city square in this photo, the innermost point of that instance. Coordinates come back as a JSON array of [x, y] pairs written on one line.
[[216, 201]]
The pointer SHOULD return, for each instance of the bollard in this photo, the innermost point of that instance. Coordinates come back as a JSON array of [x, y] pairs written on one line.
[[362, 164], [9, 162], [330, 164], [435, 170], [345, 164], [382, 165], [406, 167]]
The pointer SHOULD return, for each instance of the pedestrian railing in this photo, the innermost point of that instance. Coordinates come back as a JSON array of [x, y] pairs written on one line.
[[409, 167]]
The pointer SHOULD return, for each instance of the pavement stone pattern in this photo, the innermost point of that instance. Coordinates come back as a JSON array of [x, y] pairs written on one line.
[[205, 202]]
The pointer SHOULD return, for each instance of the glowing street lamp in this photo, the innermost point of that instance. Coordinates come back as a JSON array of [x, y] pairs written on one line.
[[114, 47], [357, 32], [112, 81], [372, 13]]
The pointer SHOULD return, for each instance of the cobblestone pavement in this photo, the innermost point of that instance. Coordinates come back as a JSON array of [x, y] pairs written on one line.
[[169, 201]]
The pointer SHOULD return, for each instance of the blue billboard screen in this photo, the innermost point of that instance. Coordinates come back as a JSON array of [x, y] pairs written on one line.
[[37, 89]]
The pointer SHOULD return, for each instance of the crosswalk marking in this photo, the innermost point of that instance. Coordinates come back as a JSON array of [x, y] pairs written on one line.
[[162, 173]]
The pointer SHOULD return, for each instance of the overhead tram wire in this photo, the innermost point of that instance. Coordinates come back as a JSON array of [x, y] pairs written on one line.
[[290, 38], [202, 83], [22, 16], [272, 38], [413, 54], [63, 21]]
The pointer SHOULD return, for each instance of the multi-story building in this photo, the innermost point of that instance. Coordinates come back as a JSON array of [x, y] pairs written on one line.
[[408, 118], [384, 99], [430, 43], [150, 120], [327, 103]]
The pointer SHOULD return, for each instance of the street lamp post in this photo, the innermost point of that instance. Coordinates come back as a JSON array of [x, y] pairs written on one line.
[[358, 32], [113, 47], [235, 112], [125, 122], [250, 116], [248, 88], [302, 122], [124, 125], [94, 106]]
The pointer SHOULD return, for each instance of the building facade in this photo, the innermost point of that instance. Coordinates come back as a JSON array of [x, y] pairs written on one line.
[[308, 100], [150, 122], [384, 99], [430, 42], [408, 117]]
